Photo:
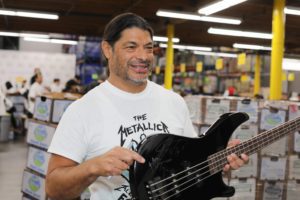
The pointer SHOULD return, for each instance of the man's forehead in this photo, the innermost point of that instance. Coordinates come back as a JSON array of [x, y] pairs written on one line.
[[135, 30]]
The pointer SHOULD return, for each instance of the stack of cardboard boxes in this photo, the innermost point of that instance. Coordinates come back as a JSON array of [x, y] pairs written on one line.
[[47, 113]]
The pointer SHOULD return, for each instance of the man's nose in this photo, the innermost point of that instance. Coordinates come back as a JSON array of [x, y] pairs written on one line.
[[142, 53]]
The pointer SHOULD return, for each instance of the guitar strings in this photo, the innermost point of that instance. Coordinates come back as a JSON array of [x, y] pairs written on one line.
[[212, 157], [177, 191], [184, 183]]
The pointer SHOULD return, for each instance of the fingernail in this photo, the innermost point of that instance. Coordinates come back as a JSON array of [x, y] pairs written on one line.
[[229, 158]]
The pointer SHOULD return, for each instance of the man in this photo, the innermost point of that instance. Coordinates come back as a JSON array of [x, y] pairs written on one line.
[[35, 90], [36, 71], [94, 142]]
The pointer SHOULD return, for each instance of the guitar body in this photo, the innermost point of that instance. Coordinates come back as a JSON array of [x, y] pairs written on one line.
[[174, 156]]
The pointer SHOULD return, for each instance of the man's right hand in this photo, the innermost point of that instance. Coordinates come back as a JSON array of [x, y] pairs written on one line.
[[67, 179], [114, 162]]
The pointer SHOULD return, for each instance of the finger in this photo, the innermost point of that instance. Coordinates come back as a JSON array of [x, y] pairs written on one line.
[[245, 158], [116, 171], [226, 168], [235, 162], [233, 143], [139, 158], [122, 165], [133, 156]]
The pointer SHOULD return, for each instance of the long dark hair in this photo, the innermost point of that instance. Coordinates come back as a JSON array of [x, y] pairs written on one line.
[[114, 28]]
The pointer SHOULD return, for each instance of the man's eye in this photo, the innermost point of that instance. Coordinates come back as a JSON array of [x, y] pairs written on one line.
[[130, 47], [149, 48]]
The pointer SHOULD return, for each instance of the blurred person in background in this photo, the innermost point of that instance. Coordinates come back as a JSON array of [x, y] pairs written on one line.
[[35, 90], [56, 86]]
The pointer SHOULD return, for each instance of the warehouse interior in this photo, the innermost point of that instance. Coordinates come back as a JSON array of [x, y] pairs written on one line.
[[242, 57]]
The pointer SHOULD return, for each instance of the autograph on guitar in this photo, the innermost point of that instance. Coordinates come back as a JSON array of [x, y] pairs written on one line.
[[181, 168]]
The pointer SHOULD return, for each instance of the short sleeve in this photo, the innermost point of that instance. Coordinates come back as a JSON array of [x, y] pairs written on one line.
[[180, 105], [69, 139]]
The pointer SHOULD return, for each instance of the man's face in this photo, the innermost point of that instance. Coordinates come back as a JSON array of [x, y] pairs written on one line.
[[132, 57]]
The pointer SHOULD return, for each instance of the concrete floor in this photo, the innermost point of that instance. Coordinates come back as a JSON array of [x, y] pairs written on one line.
[[13, 157]]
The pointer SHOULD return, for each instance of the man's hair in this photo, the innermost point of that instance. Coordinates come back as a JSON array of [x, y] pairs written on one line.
[[114, 28]]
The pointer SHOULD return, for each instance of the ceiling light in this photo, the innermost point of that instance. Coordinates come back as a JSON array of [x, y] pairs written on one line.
[[10, 34], [29, 14], [251, 46], [34, 35], [36, 39], [292, 10], [220, 5], [216, 54], [164, 39], [57, 41], [291, 64], [239, 33], [15, 34], [187, 47], [190, 16]]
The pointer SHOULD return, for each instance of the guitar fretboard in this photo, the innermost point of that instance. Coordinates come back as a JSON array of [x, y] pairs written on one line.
[[218, 160]]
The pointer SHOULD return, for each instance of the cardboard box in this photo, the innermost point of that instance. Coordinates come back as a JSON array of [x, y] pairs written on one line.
[[40, 134], [27, 197], [33, 185], [38, 160], [59, 107], [50, 108], [42, 108], [5, 126]]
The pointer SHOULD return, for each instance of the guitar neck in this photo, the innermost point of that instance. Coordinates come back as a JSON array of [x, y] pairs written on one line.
[[256, 143]]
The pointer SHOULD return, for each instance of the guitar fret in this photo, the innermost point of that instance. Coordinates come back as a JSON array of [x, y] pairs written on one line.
[[219, 159], [251, 146]]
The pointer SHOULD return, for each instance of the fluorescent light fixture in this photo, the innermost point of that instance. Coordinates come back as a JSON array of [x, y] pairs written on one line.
[[187, 47], [57, 41], [251, 46], [292, 10], [34, 35], [218, 6], [36, 39], [10, 34], [7, 12], [291, 64], [164, 39], [239, 33], [15, 34], [216, 54], [190, 16], [28, 14]]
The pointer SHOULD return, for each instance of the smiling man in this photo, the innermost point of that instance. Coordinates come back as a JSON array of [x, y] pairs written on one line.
[[96, 139]]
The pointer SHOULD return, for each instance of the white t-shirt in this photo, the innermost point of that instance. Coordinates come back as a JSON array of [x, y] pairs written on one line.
[[35, 90], [107, 117], [56, 87]]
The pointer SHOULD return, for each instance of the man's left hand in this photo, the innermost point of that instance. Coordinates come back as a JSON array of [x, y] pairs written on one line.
[[235, 162]]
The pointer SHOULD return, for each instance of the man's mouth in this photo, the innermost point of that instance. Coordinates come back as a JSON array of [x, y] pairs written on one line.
[[140, 68]]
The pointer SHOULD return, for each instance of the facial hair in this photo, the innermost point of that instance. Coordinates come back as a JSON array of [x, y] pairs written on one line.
[[123, 71]]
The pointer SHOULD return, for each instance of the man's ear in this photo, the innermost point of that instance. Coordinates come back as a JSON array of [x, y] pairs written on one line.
[[106, 49]]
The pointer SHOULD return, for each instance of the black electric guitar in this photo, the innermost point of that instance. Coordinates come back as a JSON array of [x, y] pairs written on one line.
[[181, 168]]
